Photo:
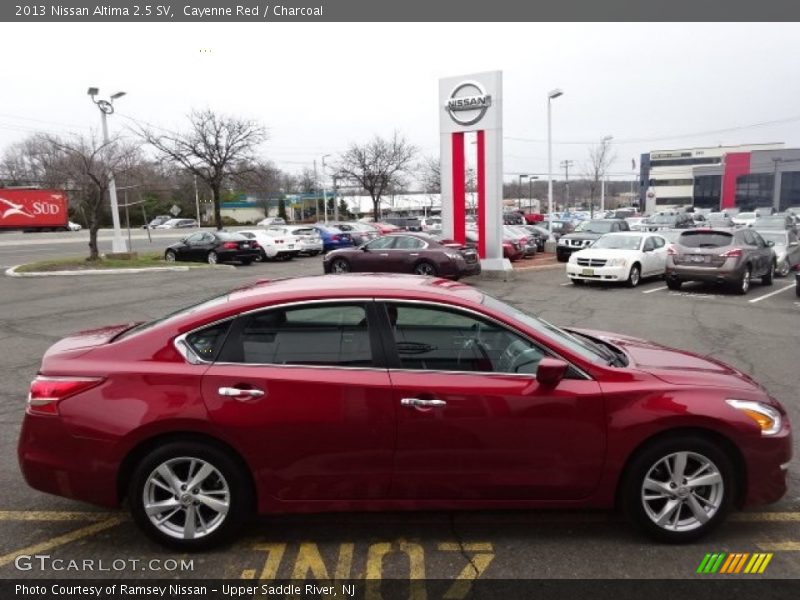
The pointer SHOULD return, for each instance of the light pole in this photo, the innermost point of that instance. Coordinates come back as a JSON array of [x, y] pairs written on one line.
[[530, 192], [107, 108], [324, 190], [605, 142], [551, 95], [566, 164], [519, 202]]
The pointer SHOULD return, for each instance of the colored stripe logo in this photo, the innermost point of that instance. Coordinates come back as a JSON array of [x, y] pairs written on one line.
[[734, 563]]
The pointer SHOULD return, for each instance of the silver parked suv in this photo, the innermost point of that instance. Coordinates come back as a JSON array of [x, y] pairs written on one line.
[[720, 256]]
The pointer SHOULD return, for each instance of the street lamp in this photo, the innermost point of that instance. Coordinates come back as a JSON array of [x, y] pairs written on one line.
[[325, 194], [519, 202], [107, 108], [551, 95], [604, 142], [530, 192]]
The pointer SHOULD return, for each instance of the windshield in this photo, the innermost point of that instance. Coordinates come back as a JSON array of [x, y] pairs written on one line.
[[594, 227], [576, 344], [618, 242]]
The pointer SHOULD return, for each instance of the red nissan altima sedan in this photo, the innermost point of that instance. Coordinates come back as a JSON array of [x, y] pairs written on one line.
[[365, 392]]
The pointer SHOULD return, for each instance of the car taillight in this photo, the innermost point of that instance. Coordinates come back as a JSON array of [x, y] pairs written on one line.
[[734, 253], [230, 245], [671, 251], [47, 392], [336, 238]]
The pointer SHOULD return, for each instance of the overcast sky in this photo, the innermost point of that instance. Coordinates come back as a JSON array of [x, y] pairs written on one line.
[[318, 87]]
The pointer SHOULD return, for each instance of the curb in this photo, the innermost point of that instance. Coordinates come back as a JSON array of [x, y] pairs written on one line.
[[11, 272]]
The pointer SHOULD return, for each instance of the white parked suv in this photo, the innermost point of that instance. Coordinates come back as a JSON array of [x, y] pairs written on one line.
[[275, 244], [270, 221]]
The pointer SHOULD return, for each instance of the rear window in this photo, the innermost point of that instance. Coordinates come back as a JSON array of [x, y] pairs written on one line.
[[705, 239], [304, 232]]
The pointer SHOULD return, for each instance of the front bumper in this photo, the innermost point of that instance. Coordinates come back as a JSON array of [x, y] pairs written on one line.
[[767, 461], [576, 271]]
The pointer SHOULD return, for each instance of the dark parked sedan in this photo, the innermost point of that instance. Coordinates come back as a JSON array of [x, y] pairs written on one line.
[[405, 253], [392, 393], [720, 256], [214, 247]]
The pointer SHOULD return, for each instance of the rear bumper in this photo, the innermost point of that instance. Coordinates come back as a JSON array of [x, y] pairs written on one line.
[[54, 461], [238, 255], [721, 274]]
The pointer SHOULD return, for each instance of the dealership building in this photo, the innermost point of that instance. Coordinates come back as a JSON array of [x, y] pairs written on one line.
[[736, 178]]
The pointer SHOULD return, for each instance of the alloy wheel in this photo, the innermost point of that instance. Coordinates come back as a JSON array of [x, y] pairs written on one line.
[[212, 258], [169, 256], [682, 491], [340, 266], [424, 268], [186, 498]]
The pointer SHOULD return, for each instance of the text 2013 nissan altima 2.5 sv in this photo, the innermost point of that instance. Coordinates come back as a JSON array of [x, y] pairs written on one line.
[[368, 392]]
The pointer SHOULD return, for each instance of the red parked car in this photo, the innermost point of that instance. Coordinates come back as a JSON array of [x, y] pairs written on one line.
[[365, 392]]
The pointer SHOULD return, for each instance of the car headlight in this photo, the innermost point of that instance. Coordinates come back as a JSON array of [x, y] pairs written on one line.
[[766, 417], [562, 242], [617, 262]]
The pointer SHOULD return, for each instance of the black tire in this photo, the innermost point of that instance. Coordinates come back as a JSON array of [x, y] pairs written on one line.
[[674, 284], [170, 256], [424, 267], [240, 495], [743, 285], [561, 257], [340, 265], [768, 278], [797, 289], [247, 262], [314, 253], [647, 459], [635, 276], [212, 258]]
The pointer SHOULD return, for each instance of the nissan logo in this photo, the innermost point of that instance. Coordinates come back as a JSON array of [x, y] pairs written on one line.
[[468, 103]]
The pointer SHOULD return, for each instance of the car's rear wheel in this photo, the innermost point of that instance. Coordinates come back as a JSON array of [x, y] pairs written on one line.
[[769, 276], [170, 256], [674, 284], [247, 262], [635, 276], [189, 495], [425, 268], [679, 488], [212, 258], [340, 265], [743, 285]]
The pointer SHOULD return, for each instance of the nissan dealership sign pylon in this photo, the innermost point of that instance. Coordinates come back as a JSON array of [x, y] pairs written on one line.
[[473, 103]]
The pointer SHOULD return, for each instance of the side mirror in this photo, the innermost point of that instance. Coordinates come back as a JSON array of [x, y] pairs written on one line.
[[550, 371], [770, 243]]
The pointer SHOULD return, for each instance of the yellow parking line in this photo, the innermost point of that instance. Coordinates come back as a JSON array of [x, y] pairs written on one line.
[[779, 516], [777, 546], [61, 539], [53, 515]]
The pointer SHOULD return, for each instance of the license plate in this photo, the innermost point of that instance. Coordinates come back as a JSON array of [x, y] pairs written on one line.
[[291, 246], [587, 272], [245, 245], [699, 259]]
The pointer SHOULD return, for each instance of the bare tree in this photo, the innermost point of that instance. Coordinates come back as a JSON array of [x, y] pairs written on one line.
[[262, 178], [378, 165], [216, 148], [600, 157], [84, 165]]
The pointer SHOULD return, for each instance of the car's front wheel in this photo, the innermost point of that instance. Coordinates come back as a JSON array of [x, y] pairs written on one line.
[[635, 276], [679, 488], [784, 269], [170, 256], [189, 495], [212, 258], [769, 275]]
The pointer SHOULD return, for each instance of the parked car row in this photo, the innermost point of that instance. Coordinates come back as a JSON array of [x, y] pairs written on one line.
[[732, 257]]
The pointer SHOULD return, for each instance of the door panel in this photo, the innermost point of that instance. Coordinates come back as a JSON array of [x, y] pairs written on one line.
[[497, 437], [316, 433]]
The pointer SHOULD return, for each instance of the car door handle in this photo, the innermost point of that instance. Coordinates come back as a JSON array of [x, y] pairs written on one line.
[[240, 393], [420, 403]]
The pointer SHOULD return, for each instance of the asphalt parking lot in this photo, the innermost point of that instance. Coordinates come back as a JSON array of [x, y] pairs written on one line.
[[757, 333]]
